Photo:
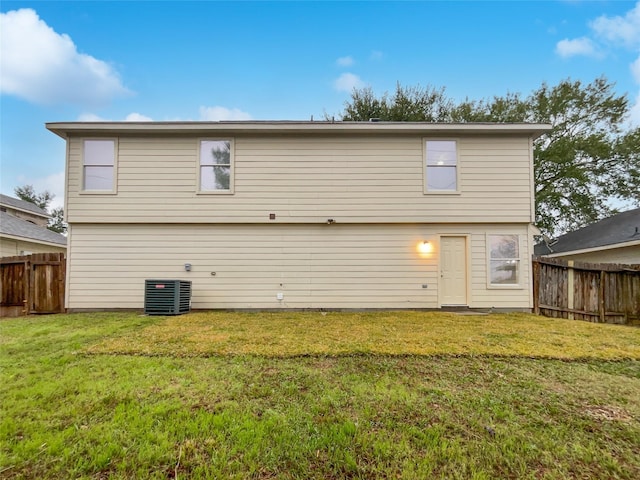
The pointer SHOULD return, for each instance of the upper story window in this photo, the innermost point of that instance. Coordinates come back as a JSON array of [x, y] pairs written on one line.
[[99, 165], [441, 172], [216, 166], [504, 260]]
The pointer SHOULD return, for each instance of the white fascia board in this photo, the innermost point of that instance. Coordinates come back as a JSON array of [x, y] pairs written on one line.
[[534, 229], [64, 129], [594, 249], [24, 210], [33, 240]]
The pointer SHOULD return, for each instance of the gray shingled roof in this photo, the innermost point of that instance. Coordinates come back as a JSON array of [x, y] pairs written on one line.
[[621, 228], [10, 225], [22, 205]]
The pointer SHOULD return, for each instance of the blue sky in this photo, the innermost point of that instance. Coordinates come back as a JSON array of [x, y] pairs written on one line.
[[125, 60]]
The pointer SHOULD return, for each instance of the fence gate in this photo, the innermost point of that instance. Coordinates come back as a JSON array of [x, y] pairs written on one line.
[[32, 284]]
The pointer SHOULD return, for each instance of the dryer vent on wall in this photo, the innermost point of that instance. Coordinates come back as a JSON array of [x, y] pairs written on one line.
[[167, 297]]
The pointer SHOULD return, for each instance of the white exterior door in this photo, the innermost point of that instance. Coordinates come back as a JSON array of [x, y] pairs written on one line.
[[453, 271]]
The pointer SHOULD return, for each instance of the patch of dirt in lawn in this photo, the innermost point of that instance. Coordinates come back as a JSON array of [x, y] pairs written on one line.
[[607, 412]]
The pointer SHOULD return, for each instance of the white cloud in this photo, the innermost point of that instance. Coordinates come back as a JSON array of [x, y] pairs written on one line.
[[137, 117], [347, 82], [578, 46], [620, 30], [634, 113], [345, 61], [217, 113], [132, 117], [635, 70], [376, 55], [623, 32], [54, 183], [90, 117], [45, 67]]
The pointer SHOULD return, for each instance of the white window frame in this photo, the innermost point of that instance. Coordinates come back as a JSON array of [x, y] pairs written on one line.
[[232, 161], [114, 181], [425, 167], [516, 260]]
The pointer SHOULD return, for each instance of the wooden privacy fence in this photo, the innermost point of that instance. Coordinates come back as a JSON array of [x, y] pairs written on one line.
[[585, 291], [32, 284]]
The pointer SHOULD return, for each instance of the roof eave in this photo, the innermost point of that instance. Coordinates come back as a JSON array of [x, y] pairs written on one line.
[[16, 204], [599, 248], [32, 240], [64, 129], [24, 210]]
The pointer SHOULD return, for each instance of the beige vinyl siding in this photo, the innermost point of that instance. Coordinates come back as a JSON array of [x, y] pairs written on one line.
[[11, 247], [314, 266], [307, 179]]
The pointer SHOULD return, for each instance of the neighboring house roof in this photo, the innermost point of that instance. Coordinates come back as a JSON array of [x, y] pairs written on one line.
[[618, 230], [63, 129], [16, 227], [22, 205]]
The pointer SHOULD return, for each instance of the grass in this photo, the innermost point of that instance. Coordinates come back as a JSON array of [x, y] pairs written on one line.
[[382, 333], [306, 395]]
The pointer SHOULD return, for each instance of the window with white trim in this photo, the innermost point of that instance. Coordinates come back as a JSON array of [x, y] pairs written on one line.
[[504, 260], [441, 166], [98, 164], [216, 166]]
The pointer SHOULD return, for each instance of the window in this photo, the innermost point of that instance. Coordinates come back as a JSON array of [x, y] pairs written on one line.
[[99, 159], [441, 166], [216, 166], [504, 260]]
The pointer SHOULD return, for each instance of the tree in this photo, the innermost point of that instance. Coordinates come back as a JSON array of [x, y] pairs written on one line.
[[584, 162], [43, 200], [57, 223], [511, 108], [408, 104], [28, 194]]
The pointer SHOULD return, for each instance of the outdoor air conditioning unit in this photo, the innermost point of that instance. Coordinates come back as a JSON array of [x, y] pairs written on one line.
[[167, 297]]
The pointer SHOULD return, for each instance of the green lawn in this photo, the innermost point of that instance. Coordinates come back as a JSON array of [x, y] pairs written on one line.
[[315, 395]]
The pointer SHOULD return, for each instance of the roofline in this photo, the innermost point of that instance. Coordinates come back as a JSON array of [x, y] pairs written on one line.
[[611, 246], [34, 240], [13, 207], [64, 129]]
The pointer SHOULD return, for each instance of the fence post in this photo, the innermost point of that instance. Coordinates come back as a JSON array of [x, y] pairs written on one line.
[[27, 286], [601, 302], [570, 290], [536, 287], [62, 272]]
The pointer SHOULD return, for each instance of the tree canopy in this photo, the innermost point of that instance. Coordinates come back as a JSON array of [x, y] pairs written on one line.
[[407, 104], [28, 194], [586, 161]]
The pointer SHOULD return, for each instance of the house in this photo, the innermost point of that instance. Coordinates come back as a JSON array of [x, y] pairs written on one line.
[[24, 210], [23, 229], [612, 240], [279, 215]]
